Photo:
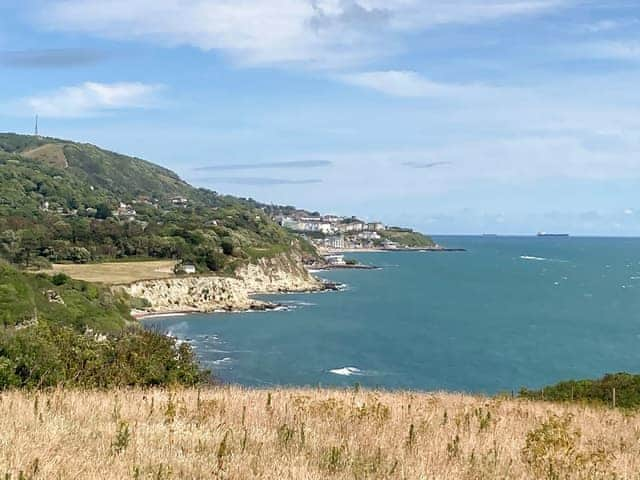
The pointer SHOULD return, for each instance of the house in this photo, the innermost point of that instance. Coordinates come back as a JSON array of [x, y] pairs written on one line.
[[336, 242], [375, 226], [389, 245], [369, 235], [187, 268], [179, 200]]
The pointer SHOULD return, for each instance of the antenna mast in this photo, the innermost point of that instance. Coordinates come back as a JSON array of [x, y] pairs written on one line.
[[37, 135]]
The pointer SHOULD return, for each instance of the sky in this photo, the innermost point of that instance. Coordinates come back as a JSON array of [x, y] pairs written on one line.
[[449, 116]]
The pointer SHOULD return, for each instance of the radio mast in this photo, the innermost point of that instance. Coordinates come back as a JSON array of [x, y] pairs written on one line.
[[37, 134]]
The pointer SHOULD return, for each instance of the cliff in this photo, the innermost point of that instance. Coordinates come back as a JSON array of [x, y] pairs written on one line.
[[279, 274]]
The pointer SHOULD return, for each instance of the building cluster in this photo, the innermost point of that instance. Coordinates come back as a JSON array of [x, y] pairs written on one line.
[[337, 233]]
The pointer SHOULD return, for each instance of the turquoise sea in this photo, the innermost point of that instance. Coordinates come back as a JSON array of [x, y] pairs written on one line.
[[509, 312]]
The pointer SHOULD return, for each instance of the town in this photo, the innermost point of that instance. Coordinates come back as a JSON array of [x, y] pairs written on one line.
[[333, 234]]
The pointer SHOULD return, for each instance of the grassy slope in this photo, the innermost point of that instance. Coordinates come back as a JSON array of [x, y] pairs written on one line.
[[24, 297], [235, 433], [408, 239]]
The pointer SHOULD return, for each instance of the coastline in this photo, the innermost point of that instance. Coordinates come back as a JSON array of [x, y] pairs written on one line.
[[209, 294]]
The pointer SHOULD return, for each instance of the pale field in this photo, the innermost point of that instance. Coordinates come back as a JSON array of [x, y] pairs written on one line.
[[118, 272], [236, 433]]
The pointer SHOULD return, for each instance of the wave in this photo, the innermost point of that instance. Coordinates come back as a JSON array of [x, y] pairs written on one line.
[[540, 259], [222, 361], [346, 371]]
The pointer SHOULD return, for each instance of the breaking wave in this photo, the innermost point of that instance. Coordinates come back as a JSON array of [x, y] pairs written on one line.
[[346, 371]]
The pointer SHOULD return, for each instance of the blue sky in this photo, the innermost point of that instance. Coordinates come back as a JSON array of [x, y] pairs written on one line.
[[451, 116]]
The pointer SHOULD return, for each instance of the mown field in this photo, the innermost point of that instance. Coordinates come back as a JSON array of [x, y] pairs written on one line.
[[236, 433], [117, 272]]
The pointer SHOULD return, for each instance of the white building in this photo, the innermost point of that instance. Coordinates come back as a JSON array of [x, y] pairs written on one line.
[[188, 268], [369, 235], [375, 226], [335, 242], [335, 259]]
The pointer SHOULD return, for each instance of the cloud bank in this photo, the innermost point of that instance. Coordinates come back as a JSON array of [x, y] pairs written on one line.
[[92, 98], [319, 33]]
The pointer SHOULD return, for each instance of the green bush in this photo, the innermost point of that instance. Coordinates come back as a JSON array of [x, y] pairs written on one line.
[[49, 356], [60, 279], [600, 391]]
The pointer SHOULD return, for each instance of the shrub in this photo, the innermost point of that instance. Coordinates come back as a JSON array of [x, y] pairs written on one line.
[[47, 356], [60, 279]]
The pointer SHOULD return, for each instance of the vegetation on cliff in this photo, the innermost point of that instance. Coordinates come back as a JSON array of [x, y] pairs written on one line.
[[407, 238], [62, 201], [58, 331]]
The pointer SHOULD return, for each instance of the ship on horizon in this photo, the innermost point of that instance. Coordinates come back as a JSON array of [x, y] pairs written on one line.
[[545, 234]]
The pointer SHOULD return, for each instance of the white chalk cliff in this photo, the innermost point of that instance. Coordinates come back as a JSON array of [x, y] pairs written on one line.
[[208, 293]]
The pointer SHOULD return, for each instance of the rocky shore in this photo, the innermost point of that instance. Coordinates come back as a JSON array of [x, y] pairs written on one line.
[[210, 293]]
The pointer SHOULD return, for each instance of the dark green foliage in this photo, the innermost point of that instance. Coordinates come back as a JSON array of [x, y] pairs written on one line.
[[627, 387], [60, 279], [48, 355]]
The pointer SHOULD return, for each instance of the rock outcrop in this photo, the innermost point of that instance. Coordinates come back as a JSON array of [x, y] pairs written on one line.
[[283, 273]]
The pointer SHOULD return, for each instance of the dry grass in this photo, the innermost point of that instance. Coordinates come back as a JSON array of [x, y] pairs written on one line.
[[118, 272], [235, 433], [51, 153]]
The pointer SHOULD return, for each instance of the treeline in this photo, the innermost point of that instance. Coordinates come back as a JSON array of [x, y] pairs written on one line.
[[619, 389], [54, 355]]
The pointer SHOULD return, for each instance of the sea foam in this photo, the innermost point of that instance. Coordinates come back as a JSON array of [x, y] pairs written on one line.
[[346, 371]]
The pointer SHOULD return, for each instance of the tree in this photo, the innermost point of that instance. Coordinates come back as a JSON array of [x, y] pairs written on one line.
[[103, 211]]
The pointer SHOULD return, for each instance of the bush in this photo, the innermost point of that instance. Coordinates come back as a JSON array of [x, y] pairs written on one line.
[[48, 356], [60, 279], [227, 246]]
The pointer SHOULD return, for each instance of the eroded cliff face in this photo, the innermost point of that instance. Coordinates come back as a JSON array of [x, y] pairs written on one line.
[[283, 273]]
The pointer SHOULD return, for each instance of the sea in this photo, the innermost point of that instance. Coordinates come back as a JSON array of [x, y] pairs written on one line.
[[509, 312]]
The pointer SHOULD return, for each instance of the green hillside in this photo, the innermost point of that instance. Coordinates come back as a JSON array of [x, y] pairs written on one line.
[[58, 331], [62, 201], [26, 299]]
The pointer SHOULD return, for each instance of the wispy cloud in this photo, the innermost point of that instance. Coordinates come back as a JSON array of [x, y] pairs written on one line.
[[296, 164], [402, 83], [52, 58], [259, 181], [312, 32], [612, 50], [608, 24], [92, 98], [420, 165]]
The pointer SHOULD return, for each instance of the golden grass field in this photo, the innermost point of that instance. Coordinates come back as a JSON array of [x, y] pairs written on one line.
[[236, 433], [118, 272]]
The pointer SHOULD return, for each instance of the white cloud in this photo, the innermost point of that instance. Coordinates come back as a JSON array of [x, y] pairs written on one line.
[[312, 32], [408, 84], [91, 98]]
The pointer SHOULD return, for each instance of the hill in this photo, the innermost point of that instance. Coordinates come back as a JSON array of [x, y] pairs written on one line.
[[62, 201], [237, 433]]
